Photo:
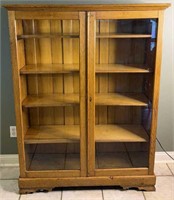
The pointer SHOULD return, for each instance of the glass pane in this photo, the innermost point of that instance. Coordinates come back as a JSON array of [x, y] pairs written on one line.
[[63, 156], [124, 66], [52, 107]]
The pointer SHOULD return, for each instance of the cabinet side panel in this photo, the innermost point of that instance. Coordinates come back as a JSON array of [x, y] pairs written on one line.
[[17, 92], [156, 93]]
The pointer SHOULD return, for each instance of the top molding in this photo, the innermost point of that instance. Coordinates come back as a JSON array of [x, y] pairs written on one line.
[[86, 7]]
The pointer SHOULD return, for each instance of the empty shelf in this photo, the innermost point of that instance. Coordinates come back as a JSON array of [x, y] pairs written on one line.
[[53, 134], [47, 100], [124, 35], [120, 133], [120, 68], [49, 68], [121, 160], [121, 99], [48, 35]]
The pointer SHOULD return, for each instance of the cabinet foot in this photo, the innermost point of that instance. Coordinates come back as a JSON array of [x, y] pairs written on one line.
[[141, 188], [147, 188], [32, 190]]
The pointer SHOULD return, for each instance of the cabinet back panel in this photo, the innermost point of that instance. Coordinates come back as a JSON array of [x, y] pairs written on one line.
[[54, 50]]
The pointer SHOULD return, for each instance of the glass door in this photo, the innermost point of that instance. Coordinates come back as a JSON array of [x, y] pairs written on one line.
[[121, 67], [51, 51]]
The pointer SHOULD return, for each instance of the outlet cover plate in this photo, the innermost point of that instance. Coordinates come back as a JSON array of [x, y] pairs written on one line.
[[13, 131]]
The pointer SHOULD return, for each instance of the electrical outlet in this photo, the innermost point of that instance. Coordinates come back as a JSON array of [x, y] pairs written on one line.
[[13, 131]]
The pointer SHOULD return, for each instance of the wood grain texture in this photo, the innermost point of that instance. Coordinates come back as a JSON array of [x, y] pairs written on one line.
[[156, 88], [79, 81], [126, 14], [120, 133], [51, 100], [20, 124], [83, 95], [121, 68], [121, 99], [103, 78], [71, 133], [57, 60], [91, 27], [129, 181], [51, 35], [46, 15], [113, 35], [49, 68], [68, 59], [121, 172], [87, 7], [53, 134]]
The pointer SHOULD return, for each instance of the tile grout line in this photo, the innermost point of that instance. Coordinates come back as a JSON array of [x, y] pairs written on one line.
[[144, 195], [61, 196], [170, 169], [19, 197], [102, 194]]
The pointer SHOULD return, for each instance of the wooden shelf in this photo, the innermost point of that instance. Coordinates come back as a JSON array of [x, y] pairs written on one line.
[[53, 134], [68, 35], [121, 99], [120, 133], [71, 134], [49, 68], [48, 100], [124, 35], [120, 68]]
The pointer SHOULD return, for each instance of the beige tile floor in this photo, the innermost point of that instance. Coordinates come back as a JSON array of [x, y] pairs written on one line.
[[164, 188]]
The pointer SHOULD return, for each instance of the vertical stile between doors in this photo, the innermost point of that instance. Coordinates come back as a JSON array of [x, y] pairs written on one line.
[[91, 91], [83, 132]]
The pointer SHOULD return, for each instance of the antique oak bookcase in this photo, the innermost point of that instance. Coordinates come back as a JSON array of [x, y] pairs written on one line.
[[86, 87]]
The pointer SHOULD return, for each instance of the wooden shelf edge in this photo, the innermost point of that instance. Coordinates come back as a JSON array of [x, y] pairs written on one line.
[[49, 69], [71, 134], [117, 35], [122, 68], [28, 36], [121, 99], [52, 134], [120, 133], [88, 7], [50, 100]]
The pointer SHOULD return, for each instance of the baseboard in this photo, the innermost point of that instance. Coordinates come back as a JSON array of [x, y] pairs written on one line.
[[11, 160]]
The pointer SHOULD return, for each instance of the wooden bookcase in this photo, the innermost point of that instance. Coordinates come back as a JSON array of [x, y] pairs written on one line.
[[86, 87]]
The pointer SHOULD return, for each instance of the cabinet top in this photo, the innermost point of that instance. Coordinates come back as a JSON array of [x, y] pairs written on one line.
[[85, 7]]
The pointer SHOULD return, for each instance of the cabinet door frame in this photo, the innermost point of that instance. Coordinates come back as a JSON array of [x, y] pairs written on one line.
[[91, 45], [18, 90]]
